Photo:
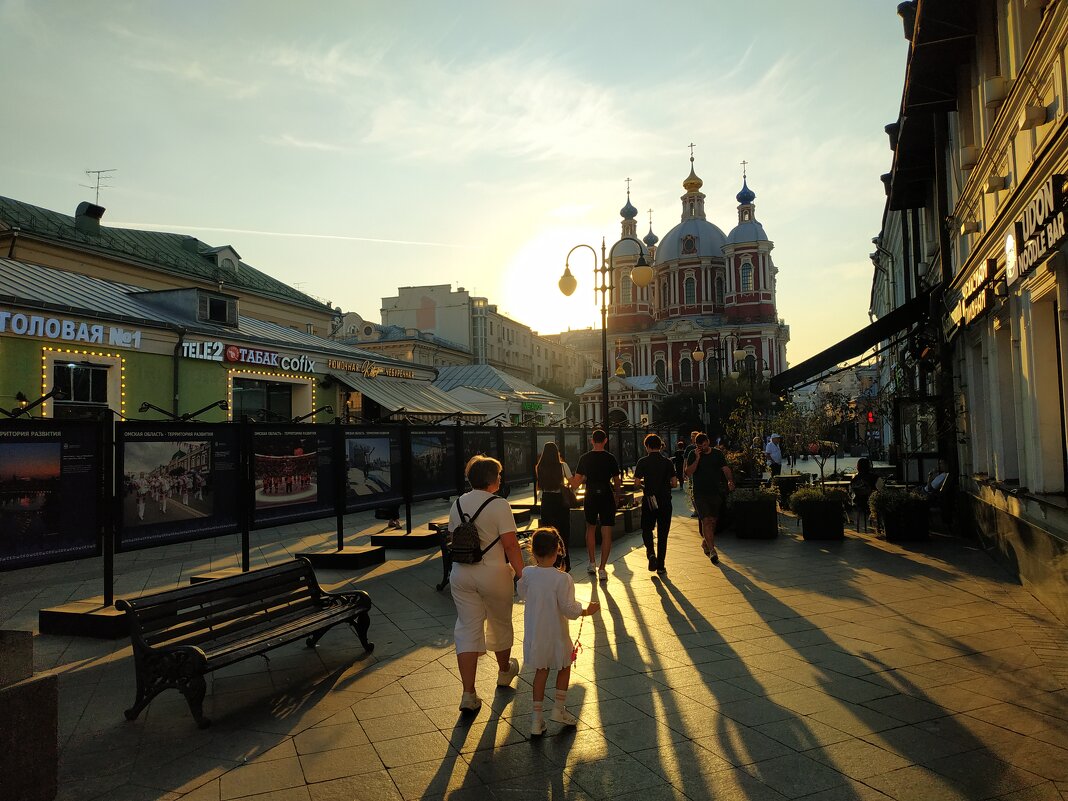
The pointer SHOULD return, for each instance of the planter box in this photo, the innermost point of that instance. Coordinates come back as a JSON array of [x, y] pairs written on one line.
[[754, 520], [823, 521], [906, 526]]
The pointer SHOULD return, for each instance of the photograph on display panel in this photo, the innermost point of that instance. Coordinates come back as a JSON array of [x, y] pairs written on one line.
[[292, 474], [372, 468], [479, 442], [177, 483], [433, 468], [518, 460], [49, 494], [628, 452], [574, 446]]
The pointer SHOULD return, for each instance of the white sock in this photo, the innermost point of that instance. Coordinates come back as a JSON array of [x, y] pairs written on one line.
[[538, 710], [561, 698]]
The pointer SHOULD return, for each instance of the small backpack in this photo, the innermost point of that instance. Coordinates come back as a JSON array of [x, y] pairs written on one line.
[[463, 543]]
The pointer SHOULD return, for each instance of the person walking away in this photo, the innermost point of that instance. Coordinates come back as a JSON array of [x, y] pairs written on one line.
[[711, 478], [549, 595], [774, 454], [599, 471], [655, 474], [679, 459], [483, 591], [552, 472]]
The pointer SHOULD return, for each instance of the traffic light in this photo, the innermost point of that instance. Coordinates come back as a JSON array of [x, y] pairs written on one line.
[[871, 417]]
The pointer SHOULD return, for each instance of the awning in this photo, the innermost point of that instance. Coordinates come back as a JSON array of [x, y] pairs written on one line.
[[401, 398], [855, 344]]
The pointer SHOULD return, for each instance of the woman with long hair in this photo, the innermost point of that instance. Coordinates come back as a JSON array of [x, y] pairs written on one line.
[[553, 473]]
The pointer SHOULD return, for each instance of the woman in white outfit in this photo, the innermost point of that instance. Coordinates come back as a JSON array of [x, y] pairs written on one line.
[[483, 591]]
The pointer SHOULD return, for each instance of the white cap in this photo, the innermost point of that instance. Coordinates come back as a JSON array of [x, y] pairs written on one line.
[[775, 436]]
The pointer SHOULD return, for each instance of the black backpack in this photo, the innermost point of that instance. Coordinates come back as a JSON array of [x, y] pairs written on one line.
[[463, 543]]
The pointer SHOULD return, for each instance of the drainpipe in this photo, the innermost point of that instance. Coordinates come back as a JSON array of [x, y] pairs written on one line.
[[174, 375], [14, 237]]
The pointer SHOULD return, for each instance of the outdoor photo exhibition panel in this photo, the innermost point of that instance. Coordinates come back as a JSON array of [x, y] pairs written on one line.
[[574, 446], [292, 474], [177, 482], [480, 442], [51, 485], [373, 469], [518, 461], [545, 437], [433, 461], [628, 449]]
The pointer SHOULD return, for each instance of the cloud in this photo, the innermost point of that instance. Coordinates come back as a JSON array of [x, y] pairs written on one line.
[[195, 72], [288, 140], [332, 68]]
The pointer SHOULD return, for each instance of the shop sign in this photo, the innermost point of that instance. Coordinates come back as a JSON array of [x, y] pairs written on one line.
[[974, 294], [235, 354], [1038, 232], [530, 406], [209, 351], [59, 328], [368, 368]]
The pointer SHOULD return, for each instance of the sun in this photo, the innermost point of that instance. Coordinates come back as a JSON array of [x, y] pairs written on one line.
[[529, 290]]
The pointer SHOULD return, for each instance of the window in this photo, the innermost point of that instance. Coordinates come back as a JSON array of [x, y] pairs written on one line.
[[685, 371], [660, 368], [719, 290], [272, 400], [689, 287], [747, 277], [217, 309], [689, 244], [626, 289], [664, 294], [84, 388]]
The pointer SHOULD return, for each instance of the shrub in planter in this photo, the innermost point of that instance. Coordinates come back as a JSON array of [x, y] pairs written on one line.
[[902, 513], [787, 485], [753, 514], [821, 512]]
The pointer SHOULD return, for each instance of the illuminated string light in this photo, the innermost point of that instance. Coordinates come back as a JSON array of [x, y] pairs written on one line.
[[75, 352]]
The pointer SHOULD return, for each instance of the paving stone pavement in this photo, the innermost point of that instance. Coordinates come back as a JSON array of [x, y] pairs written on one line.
[[847, 671]]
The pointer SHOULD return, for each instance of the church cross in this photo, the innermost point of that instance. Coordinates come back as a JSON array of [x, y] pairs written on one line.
[[692, 146], [628, 187], [743, 169]]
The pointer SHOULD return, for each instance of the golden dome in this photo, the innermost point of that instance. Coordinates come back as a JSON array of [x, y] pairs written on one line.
[[692, 182]]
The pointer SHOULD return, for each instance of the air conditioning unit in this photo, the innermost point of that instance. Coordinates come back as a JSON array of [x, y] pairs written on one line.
[[969, 155], [995, 90]]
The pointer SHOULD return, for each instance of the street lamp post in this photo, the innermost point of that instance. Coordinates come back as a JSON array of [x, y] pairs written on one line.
[[719, 358], [640, 276]]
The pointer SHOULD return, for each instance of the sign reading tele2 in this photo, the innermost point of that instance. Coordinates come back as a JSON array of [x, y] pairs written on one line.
[[235, 354]]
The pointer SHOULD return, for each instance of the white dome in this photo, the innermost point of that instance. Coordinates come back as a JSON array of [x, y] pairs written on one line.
[[750, 231], [710, 240]]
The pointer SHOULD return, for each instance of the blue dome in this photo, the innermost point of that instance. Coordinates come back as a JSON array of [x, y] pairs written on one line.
[[749, 231], [708, 240], [628, 212], [650, 238], [747, 195]]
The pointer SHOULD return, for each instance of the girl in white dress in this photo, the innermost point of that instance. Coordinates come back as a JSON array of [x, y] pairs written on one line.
[[550, 601]]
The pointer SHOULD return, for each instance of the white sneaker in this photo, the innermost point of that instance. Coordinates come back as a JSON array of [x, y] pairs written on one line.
[[561, 715], [591, 569], [470, 702], [602, 574], [537, 726], [504, 677]]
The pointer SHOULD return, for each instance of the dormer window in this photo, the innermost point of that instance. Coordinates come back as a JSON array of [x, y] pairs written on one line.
[[219, 309], [227, 260]]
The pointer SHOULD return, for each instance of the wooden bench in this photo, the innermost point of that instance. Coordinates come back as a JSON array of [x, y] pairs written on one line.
[[180, 635]]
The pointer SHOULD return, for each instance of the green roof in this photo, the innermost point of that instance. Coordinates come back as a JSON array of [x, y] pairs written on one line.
[[175, 254]]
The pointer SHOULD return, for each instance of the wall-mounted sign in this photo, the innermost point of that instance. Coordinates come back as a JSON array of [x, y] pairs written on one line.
[[368, 368], [974, 294], [531, 406], [36, 325], [209, 351], [235, 354], [1038, 232]]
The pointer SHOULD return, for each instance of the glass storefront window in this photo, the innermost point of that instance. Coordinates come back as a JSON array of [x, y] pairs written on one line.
[[259, 400]]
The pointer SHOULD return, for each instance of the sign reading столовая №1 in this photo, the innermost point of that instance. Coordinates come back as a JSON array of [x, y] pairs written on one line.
[[1038, 233]]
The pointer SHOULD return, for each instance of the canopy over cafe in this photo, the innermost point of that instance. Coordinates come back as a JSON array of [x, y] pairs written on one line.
[[93, 345]]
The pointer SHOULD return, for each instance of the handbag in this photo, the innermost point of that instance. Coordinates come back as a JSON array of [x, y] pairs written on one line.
[[570, 498]]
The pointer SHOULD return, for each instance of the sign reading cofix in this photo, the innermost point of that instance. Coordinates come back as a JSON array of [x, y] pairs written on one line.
[[1038, 233], [268, 358]]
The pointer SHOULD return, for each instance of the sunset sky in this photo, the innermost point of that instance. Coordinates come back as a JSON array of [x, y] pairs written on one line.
[[349, 148]]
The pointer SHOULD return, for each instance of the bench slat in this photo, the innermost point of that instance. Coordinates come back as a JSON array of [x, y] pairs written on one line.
[[169, 604], [213, 611], [232, 626]]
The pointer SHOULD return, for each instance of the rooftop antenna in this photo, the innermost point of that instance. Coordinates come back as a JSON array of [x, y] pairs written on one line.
[[101, 179]]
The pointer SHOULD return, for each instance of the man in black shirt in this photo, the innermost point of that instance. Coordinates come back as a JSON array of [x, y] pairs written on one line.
[[656, 475], [599, 470]]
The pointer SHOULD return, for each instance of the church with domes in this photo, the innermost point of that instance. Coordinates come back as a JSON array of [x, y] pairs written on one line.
[[711, 306]]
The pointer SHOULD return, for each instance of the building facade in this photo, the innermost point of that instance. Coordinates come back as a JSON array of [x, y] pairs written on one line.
[[712, 292]]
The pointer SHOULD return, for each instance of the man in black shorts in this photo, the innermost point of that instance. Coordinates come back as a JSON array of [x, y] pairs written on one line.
[[711, 478], [600, 472], [655, 474]]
